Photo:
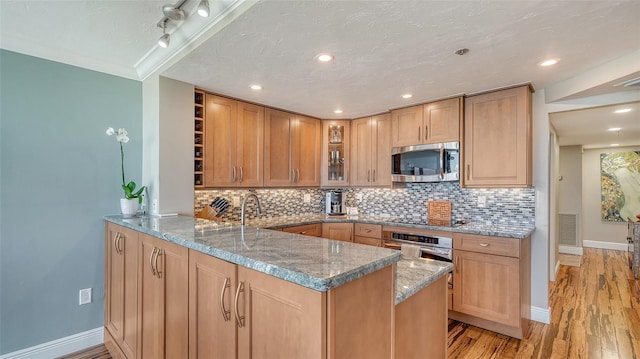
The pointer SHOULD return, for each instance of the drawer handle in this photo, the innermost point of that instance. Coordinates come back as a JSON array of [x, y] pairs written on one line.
[[484, 244], [153, 253], [226, 315], [303, 232], [239, 318], [368, 230]]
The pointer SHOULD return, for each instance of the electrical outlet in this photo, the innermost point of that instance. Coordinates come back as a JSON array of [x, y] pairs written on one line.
[[482, 201], [307, 198], [236, 201], [359, 196], [154, 206], [84, 296]]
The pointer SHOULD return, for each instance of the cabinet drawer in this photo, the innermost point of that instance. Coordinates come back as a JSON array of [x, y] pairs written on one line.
[[368, 230], [491, 245], [368, 241], [314, 230]]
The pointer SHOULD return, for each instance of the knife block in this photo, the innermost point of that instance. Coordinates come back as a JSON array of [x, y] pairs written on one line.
[[209, 213]]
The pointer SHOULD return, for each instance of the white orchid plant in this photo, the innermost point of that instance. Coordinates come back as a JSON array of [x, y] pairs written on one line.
[[129, 188]]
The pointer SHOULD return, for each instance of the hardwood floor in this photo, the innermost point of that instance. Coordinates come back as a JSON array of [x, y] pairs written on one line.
[[595, 314]]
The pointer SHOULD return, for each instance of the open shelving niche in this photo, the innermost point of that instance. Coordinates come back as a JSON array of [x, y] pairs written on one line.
[[198, 139]]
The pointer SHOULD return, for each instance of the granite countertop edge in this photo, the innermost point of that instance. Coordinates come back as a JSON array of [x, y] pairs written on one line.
[[410, 281]]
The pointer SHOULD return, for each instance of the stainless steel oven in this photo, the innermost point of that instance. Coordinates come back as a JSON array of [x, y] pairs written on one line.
[[431, 246]]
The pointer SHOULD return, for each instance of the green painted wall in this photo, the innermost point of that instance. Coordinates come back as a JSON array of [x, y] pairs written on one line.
[[59, 174]]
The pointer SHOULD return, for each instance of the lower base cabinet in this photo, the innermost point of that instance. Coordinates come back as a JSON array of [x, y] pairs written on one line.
[[421, 330], [338, 231]]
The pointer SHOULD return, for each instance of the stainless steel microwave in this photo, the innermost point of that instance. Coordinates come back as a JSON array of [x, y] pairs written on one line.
[[437, 162]]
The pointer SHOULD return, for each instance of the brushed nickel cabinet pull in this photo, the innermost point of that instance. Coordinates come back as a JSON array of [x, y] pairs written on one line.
[[457, 264], [303, 232], [234, 174], [241, 174], [226, 315], [155, 262], [239, 318], [374, 175], [298, 175], [116, 238], [419, 129], [426, 132], [292, 175], [119, 243], [484, 244], [468, 171], [153, 253]]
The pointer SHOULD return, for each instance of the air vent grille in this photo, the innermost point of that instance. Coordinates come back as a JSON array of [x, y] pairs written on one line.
[[568, 223]]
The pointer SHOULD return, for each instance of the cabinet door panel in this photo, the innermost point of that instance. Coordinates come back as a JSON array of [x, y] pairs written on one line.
[[220, 132], [407, 126], [278, 132], [282, 319], [305, 154], [338, 231], [361, 158], [150, 303], [174, 265], [497, 140], [442, 121], [487, 286], [250, 145], [211, 335], [382, 149]]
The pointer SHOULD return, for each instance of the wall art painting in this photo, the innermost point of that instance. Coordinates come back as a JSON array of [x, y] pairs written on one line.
[[620, 185]]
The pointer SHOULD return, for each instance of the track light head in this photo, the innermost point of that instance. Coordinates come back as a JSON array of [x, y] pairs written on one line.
[[203, 8], [164, 41], [172, 12]]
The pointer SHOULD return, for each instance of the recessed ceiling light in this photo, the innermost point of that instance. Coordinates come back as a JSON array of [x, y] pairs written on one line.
[[614, 145], [613, 129], [407, 95], [337, 111], [324, 57], [255, 87], [623, 110], [549, 62]]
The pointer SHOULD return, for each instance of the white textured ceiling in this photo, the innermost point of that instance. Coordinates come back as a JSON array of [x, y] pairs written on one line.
[[382, 48]]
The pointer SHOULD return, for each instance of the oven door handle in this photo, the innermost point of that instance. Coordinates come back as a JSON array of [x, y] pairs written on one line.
[[439, 253]]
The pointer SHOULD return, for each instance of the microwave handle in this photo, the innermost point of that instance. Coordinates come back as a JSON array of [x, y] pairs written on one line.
[[442, 163]]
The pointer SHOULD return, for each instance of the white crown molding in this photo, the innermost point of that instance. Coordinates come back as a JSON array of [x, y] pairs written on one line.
[[189, 36], [59, 347], [26, 47]]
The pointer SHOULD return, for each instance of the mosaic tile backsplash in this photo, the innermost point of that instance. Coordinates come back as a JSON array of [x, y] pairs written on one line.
[[511, 206]]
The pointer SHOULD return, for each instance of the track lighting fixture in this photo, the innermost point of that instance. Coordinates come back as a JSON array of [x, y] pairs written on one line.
[[173, 12], [203, 8], [165, 38]]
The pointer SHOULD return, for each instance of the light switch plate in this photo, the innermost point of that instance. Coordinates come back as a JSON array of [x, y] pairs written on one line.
[[307, 198], [482, 201]]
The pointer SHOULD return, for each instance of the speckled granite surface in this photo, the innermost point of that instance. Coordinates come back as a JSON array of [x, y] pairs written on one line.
[[414, 274], [508, 231], [308, 261]]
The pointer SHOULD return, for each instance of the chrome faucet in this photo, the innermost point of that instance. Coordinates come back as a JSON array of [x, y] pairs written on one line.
[[244, 202]]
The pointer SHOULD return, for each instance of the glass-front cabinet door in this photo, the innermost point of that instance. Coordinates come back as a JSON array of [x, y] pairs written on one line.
[[335, 154]]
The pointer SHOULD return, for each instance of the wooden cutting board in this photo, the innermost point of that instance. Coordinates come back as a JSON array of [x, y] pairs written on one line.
[[439, 213]]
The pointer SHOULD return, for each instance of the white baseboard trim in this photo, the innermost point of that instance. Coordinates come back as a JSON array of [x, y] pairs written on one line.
[[542, 315], [555, 275], [570, 250], [59, 347], [606, 245]]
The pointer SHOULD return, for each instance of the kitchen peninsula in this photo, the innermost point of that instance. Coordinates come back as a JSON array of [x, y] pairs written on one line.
[[179, 286]]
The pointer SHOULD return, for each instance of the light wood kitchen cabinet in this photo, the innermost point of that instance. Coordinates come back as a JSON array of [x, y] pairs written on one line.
[[491, 283], [292, 150], [233, 143], [371, 151], [212, 325], [121, 290], [163, 304], [433, 122], [369, 234], [338, 231], [313, 230], [497, 147], [335, 152]]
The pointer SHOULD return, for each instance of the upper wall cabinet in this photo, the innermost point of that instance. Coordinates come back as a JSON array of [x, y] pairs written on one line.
[[497, 147], [429, 123], [233, 143], [335, 152], [292, 150], [371, 151]]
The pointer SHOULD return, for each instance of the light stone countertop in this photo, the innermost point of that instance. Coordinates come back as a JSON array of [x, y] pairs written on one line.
[[498, 230], [414, 274], [318, 264]]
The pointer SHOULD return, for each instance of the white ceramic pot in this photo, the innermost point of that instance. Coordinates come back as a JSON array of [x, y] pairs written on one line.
[[129, 207]]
